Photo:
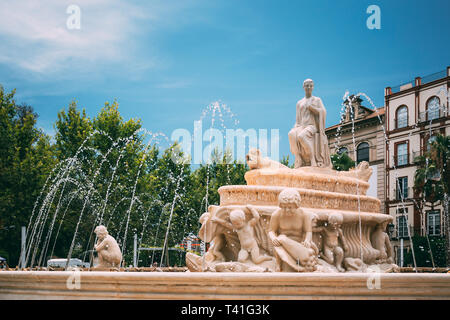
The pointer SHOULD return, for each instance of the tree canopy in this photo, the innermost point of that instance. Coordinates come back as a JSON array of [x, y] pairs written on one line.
[[432, 182], [342, 162], [26, 158], [104, 170]]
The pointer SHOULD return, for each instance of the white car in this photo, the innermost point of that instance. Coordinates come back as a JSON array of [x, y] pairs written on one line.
[[61, 263]]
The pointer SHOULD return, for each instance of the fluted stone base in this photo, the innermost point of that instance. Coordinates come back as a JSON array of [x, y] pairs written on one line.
[[192, 286], [268, 196], [322, 192]]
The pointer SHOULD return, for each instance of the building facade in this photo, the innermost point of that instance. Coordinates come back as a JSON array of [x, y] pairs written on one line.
[[366, 144], [415, 113]]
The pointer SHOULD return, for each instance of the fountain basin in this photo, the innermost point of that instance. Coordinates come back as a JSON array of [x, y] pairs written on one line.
[[268, 195], [210, 285], [313, 178], [357, 241]]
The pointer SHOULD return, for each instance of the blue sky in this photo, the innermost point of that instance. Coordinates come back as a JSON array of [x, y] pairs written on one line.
[[165, 61]]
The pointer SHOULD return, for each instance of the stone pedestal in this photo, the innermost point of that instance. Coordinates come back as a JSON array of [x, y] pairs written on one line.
[[322, 191], [231, 286]]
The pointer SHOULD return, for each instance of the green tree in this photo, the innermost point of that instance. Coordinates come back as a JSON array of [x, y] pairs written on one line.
[[422, 252], [432, 181], [342, 162], [26, 158], [208, 178], [72, 129], [100, 171], [107, 177], [285, 161]]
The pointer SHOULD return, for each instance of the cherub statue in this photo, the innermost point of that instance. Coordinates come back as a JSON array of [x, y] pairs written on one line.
[[291, 234], [109, 254], [380, 241], [246, 234], [333, 253], [208, 232]]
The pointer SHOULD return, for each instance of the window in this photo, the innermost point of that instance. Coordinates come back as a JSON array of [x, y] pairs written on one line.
[[402, 188], [433, 106], [402, 117], [402, 226], [402, 154], [362, 152], [434, 223], [342, 150]]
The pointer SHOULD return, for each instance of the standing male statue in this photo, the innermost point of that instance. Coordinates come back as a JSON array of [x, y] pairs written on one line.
[[307, 139]]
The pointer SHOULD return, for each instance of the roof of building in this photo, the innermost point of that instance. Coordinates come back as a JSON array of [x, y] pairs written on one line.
[[373, 113]]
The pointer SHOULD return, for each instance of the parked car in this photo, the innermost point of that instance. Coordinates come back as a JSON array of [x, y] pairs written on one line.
[[3, 263], [61, 263]]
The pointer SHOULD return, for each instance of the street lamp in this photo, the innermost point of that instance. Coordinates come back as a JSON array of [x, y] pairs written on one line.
[[391, 227]]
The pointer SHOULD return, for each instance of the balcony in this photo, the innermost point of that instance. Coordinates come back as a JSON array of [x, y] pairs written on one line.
[[401, 160], [403, 86], [436, 175], [419, 81], [433, 77], [430, 115], [404, 159]]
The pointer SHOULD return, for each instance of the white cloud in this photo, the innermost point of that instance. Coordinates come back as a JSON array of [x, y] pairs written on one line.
[[34, 35]]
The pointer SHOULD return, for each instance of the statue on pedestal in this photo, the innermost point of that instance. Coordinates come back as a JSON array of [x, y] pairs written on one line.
[[291, 234], [334, 243], [380, 241], [246, 234], [109, 254], [307, 139]]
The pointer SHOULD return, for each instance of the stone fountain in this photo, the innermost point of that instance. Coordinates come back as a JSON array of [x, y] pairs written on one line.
[[304, 233], [307, 219]]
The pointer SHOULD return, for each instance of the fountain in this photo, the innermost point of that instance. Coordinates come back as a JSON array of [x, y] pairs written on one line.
[[329, 222], [308, 232]]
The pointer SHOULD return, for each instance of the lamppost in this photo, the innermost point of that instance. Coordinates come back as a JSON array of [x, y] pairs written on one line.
[[391, 228]]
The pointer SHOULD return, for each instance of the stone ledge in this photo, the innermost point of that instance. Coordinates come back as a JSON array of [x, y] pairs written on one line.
[[192, 286], [319, 179], [268, 196]]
